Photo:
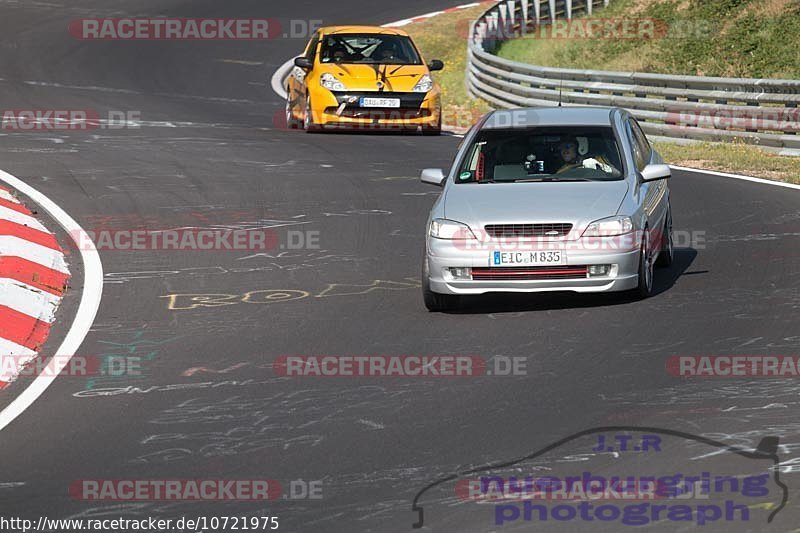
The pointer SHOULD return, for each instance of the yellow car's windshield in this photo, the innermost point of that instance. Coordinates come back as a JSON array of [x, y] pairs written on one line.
[[376, 49]]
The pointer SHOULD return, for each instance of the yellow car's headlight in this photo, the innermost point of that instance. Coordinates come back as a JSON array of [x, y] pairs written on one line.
[[330, 82], [424, 84]]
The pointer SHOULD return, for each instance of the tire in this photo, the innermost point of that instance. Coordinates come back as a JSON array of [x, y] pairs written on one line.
[[291, 122], [308, 118], [434, 301], [645, 287], [667, 255]]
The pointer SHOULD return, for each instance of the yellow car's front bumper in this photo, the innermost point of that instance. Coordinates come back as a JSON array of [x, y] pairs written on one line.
[[343, 109]]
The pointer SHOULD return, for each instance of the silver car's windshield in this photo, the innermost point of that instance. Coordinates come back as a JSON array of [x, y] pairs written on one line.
[[542, 155]]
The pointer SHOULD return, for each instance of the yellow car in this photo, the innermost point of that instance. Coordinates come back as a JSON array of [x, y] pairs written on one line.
[[363, 77]]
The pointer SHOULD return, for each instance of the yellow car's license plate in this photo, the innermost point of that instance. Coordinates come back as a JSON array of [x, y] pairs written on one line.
[[380, 102]]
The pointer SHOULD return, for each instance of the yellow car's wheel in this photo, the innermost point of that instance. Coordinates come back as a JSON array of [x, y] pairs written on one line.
[[308, 118], [291, 122]]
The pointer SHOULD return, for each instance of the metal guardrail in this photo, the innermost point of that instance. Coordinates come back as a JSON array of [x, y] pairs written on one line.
[[757, 111]]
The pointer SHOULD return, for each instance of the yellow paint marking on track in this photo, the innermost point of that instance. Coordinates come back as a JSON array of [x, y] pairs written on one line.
[[765, 505], [268, 296]]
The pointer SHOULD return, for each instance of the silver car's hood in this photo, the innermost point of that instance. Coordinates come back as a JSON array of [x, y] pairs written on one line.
[[577, 203]]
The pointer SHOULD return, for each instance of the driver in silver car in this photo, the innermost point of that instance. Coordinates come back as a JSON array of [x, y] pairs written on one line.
[[568, 150]]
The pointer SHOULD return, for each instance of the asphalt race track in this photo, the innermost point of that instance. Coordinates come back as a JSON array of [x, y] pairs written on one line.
[[210, 152]]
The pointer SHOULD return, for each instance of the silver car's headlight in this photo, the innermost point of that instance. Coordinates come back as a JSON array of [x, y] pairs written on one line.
[[424, 84], [608, 227], [442, 228], [330, 82]]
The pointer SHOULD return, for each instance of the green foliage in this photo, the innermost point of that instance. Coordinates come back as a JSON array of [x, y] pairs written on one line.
[[735, 38]]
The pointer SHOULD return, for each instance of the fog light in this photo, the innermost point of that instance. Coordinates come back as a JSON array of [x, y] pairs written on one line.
[[461, 272], [599, 270]]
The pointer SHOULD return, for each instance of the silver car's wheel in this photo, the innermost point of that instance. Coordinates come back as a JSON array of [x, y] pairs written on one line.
[[667, 254], [433, 300], [645, 287]]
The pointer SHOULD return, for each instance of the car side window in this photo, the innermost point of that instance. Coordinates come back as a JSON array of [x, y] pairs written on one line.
[[641, 147], [311, 50]]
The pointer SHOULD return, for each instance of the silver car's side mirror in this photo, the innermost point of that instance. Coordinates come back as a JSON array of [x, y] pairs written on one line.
[[433, 176], [656, 172]]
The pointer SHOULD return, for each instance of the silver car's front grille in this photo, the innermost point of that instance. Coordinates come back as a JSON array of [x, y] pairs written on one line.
[[528, 230]]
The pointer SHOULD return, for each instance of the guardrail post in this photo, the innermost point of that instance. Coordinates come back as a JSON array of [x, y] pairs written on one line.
[[523, 7], [492, 29], [552, 10], [480, 34], [502, 22], [568, 6], [512, 15], [537, 11]]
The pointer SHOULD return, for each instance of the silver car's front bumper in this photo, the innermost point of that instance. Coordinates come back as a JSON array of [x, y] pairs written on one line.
[[443, 254]]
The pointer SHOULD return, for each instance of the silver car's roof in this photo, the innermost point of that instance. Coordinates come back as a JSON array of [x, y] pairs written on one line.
[[530, 117]]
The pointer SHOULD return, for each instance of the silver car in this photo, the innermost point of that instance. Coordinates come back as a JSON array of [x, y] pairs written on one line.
[[548, 199]]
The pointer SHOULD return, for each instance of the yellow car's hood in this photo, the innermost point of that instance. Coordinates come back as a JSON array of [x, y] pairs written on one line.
[[395, 78]]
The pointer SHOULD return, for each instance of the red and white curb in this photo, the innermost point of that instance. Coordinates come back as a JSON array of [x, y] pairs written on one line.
[[91, 294], [33, 278]]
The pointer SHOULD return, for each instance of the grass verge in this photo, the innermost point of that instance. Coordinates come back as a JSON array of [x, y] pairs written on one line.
[[445, 37], [738, 158], [729, 38]]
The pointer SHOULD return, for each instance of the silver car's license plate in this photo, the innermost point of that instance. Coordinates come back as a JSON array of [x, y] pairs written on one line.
[[380, 102], [540, 258]]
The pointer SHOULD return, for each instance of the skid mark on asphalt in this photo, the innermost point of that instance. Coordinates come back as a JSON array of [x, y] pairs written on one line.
[[278, 421]]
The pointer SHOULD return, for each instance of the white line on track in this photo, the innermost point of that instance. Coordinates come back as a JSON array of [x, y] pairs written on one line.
[[739, 177], [87, 310]]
